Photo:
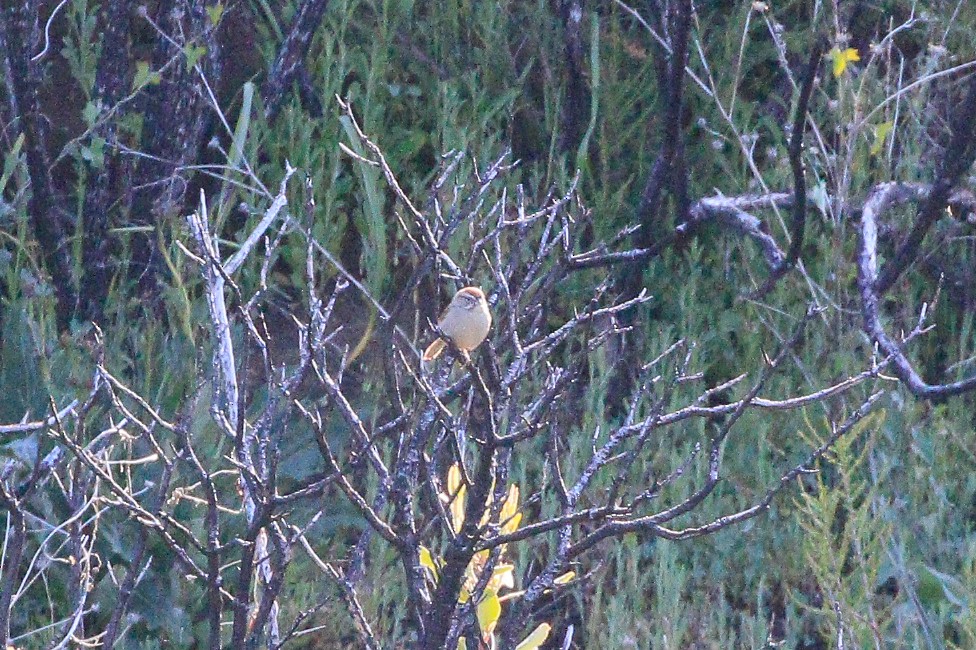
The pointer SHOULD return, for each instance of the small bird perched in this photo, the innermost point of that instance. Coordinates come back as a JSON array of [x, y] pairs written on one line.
[[466, 321]]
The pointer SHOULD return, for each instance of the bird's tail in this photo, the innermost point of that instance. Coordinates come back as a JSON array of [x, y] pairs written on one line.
[[434, 349]]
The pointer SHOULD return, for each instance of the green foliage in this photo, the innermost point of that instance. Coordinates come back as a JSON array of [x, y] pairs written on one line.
[[81, 48], [845, 544], [879, 543]]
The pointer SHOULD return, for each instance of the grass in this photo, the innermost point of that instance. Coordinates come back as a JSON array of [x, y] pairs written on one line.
[[883, 534]]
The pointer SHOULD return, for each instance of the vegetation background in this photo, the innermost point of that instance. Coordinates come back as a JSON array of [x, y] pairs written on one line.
[[878, 548]]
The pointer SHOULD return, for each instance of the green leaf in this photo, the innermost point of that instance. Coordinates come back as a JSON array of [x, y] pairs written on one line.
[[820, 197], [241, 128], [90, 113], [953, 590], [881, 132], [94, 153], [373, 225], [271, 17], [10, 162], [193, 53], [144, 76], [594, 90], [215, 12]]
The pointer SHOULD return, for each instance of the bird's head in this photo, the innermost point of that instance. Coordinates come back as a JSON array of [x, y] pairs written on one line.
[[469, 297]]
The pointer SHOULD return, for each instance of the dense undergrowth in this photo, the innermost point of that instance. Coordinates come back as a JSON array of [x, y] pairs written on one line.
[[876, 549]]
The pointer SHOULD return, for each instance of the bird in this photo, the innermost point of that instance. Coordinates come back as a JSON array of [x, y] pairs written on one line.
[[465, 321]]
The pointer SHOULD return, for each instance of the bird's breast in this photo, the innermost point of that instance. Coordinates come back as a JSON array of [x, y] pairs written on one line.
[[473, 330]]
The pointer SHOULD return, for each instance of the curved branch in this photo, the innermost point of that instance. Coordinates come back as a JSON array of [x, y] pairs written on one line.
[[958, 158], [867, 280]]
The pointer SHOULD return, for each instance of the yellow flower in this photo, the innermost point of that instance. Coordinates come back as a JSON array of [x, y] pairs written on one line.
[[841, 58]]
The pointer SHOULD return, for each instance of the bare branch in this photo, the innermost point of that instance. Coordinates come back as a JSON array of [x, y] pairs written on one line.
[[868, 285]]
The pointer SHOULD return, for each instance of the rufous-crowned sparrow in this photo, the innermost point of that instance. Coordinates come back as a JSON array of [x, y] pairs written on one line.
[[466, 321]]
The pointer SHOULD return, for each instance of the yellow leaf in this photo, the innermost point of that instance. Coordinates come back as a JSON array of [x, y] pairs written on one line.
[[512, 524], [536, 639], [453, 479], [509, 516], [564, 578], [456, 492], [462, 644], [427, 561], [511, 501], [502, 576], [478, 562], [842, 57], [457, 509], [473, 571], [489, 610], [512, 595]]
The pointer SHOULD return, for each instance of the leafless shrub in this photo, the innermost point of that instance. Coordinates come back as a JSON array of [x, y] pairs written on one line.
[[475, 415]]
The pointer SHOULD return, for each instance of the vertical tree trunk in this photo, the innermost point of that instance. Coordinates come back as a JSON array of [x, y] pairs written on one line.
[[45, 207]]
